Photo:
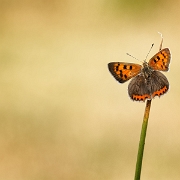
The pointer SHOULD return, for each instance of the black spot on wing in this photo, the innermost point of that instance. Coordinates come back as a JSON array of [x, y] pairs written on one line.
[[163, 54], [121, 74], [158, 58]]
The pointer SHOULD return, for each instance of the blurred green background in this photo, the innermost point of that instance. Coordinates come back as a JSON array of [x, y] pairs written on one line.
[[63, 115]]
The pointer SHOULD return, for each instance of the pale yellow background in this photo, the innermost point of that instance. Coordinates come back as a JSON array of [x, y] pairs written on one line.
[[63, 116]]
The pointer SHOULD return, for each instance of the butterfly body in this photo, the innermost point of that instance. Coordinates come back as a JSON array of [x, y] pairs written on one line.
[[147, 82]]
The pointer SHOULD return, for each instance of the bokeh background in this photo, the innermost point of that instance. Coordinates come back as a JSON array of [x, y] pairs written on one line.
[[63, 116]]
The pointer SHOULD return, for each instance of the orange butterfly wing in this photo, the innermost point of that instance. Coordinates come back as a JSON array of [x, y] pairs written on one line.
[[124, 71], [161, 60]]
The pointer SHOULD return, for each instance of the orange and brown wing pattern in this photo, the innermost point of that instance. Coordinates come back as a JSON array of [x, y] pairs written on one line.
[[140, 89], [124, 71], [161, 60]]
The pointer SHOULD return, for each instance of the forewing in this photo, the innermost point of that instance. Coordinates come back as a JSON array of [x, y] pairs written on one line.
[[124, 71], [161, 60]]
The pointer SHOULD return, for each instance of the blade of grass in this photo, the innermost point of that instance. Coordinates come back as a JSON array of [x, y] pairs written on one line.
[[142, 141]]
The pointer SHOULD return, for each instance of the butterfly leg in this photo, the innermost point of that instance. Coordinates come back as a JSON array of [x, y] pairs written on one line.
[[160, 47]]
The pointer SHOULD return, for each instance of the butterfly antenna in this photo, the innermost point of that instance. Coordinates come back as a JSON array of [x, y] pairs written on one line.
[[132, 56], [149, 52]]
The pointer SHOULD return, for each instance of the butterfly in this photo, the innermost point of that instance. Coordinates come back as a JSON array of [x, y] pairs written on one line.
[[147, 80]]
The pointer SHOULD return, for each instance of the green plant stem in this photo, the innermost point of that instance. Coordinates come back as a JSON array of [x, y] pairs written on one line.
[[142, 141]]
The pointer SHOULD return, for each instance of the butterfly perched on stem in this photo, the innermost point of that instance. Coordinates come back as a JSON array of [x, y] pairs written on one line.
[[147, 80]]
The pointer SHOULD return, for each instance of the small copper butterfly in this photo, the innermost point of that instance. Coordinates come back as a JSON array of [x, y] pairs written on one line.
[[147, 81]]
